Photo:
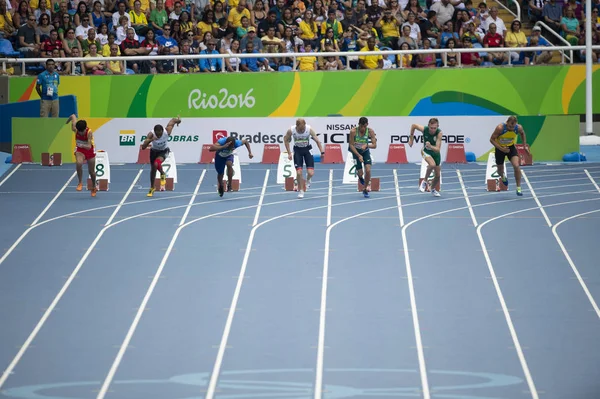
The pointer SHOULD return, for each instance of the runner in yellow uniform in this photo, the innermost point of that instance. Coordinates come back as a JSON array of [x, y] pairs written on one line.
[[504, 139]]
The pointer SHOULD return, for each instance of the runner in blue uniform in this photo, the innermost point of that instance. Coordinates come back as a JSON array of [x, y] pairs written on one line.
[[224, 149]]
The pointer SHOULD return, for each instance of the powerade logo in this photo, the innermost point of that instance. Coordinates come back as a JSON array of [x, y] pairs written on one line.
[[446, 138], [259, 138], [179, 138], [127, 137]]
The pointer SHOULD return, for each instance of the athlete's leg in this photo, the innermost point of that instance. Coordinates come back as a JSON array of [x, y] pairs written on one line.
[[359, 169], [500, 155], [299, 164], [229, 165], [514, 160], [220, 168], [153, 157], [79, 159], [430, 167], [91, 163], [436, 179], [367, 180], [309, 160]]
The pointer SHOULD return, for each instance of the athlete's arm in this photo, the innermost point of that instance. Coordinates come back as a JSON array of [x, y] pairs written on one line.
[[172, 123], [287, 139], [90, 137], [149, 139], [438, 143], [523, 137], [351, 143], [373, 139], [217, 147], [73, 120], [414, 127], [247, 144], [316, 140], [494, 138]]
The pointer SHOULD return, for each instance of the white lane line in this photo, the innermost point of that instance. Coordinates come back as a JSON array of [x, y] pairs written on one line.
[[537, 201], [571, 263], [400, 214], [464, 190], [262, 196], [52, 306], [115, 365], [10, 174], [53, 200], [329, 199], [592, 179], [35, 222], [110, 219]]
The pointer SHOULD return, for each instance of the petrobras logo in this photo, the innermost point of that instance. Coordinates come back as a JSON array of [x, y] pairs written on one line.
[[260, 137], [127, 137], [218, 135], [446, 138], [178, 138]]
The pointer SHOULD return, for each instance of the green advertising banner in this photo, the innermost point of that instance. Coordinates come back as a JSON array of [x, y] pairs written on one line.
[[529, 90]]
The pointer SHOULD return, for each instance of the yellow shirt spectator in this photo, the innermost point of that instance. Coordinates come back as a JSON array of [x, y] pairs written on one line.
[[138, 19], [3, 20], [115, 67], [307, 63], [35, 4], [233, 3], [308, 32], [235, 17], [203, 27], [390, 28], [336, 26], [371, 61], [106, 50], [145, 6]]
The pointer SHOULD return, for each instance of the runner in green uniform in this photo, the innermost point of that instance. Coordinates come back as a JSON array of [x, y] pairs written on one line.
[[362, 139], [432, 145]]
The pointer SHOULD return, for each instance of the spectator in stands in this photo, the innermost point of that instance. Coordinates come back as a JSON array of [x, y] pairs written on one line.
[[426, 60], [151, 44], [286, 20], [70, 43], [552, 14], [167, 42], [116, 67], [81, 32], [102, 35], [308, 29], [370, 61], [404, 60], [493, 18], [91, 39], [242, 31], [308, 62], [177, 10], [444, 11], [493, 39], [258, 13], [536, 40], [251, 38], [219, 11], [121, 12], [389, 25], [21, 14], [431, 29], [131, 47], [224, 43], [332, 23], [576, 7], [99, 17], [47, 88], [50, 44], [185, 24], [94, 67], [253, 64], [450, 58], [236, 14], [264, 26], [176, 30], [165, 66], [469, 59], [158, 17], [271, 45], [535, 10], [232, 64], [6, 22], [207, 24], [42, 10], [81, 13], [138, 19], [279, 7], [595, 41], [570, 27], [515, 38], [448, 33], [76, 53], [190, 65], [63, 68], [106, 48], [203, 44], [28, 40], [415, 30], [209, 65], [44, 27], [414, 7]]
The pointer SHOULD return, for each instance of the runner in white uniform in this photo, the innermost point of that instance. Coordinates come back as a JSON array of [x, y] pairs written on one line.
[[302, 133], [159, 151]]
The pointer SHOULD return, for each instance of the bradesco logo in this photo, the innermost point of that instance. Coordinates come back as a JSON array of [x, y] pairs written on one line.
[[127, 137], [446, 138], [218, 135], [179, 138], [259, 138]]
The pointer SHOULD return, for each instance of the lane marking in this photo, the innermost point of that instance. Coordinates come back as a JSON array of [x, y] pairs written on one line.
[[10, 174], [110, 219], [464, 190], [115, 365], [400, 214], [592, 179], [52, 306], [329, 197], [537, 201], [262, 196]]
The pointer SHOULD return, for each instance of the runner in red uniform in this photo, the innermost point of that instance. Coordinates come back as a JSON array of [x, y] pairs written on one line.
[[84, 152]]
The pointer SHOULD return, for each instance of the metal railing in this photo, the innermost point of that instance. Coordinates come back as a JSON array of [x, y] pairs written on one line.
[[516, 2], [542, 24], [294, 56]]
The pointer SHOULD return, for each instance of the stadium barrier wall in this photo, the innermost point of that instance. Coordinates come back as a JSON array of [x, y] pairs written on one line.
[[549, 137], [529, 90]]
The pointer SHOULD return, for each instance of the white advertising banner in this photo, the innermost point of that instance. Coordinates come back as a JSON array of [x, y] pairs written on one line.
[[122, 138]]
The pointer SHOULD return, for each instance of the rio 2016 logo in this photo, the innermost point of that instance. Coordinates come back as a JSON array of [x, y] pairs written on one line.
[[202, 100]]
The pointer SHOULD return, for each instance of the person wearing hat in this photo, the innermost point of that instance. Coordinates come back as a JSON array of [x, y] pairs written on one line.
[[251, 37], [536, 40]]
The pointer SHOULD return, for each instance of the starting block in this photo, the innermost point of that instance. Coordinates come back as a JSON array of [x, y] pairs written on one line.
[[372, 186], [22, 154], [285, 168], [456, 154], [525, 159], [170, 168], [271, 154], [333, 154], [102, 184], [207, 156], [143, 156], [397, 154], [429, 178], [291, 184], [492, 177], [51, 159]]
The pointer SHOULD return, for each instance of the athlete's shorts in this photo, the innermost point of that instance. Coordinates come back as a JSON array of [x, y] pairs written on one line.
[[366, 155], [158, 153], [512, 152], [88, 153], [220, 163], [434, 155], [303, 156]]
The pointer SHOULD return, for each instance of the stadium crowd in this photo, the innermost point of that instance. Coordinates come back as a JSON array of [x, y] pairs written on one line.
[[59, 28]]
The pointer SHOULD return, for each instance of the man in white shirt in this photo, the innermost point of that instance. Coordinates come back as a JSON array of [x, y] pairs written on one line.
[[444, 11], [81, 32], [120, 13], [493, 18]]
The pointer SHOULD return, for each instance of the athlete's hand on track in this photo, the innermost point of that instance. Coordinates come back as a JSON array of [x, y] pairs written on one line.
[[360, 159]]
